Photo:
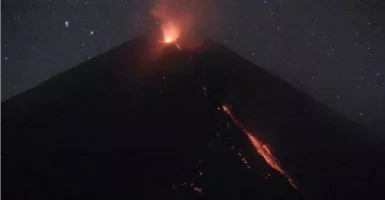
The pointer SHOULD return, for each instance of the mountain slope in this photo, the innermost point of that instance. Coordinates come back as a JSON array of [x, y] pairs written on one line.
[[128, 124]]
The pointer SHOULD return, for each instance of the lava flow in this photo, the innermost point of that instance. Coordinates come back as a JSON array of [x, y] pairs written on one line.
[[261, 148]]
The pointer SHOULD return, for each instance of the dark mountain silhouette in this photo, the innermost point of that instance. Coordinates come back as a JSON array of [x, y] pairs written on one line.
[[128, 125]]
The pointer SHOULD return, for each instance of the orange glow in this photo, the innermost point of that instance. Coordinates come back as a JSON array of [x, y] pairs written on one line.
[[171, 32], [261, 148], [265, 153], [186, 23]]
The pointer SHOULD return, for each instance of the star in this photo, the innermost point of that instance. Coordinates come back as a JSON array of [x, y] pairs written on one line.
[[67, 23]]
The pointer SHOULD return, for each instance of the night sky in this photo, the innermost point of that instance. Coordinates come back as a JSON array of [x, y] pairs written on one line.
[[333, 50]]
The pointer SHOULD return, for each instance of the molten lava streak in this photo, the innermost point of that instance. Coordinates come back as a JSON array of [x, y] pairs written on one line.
[[261, 148]]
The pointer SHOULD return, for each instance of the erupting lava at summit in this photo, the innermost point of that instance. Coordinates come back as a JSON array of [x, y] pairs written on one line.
[[171, 32], [181, 22], [261, 148], [169, 20]]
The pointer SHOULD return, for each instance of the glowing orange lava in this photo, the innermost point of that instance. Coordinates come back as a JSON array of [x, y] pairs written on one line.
[[261, 148], [171, 32], [265, 152]]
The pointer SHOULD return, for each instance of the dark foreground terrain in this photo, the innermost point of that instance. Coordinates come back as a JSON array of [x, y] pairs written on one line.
[[126, 126]]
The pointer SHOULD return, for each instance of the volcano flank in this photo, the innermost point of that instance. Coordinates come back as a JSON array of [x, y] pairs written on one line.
[[153, 120]]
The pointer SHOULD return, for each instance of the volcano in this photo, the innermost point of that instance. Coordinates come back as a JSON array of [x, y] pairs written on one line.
[[198, 123]]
